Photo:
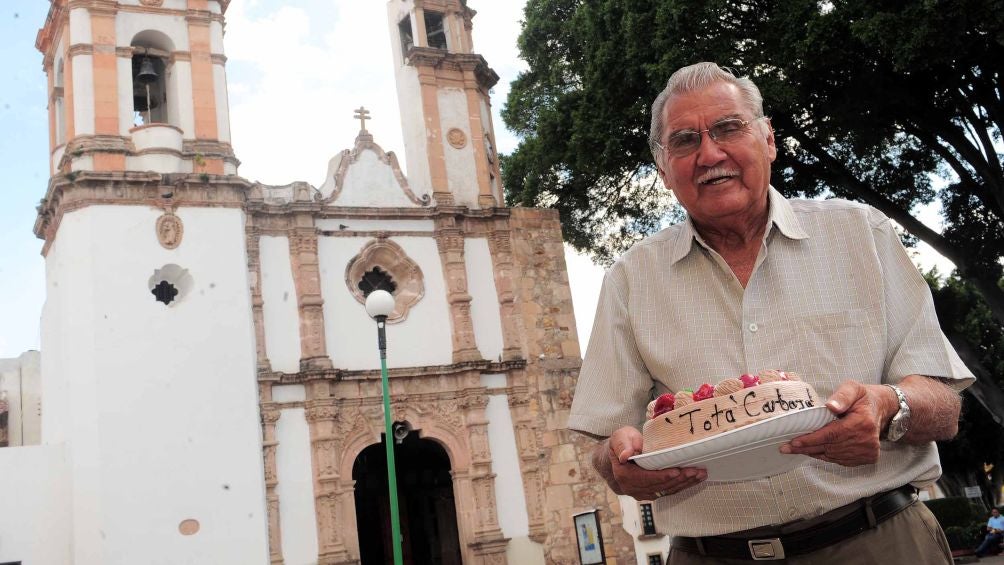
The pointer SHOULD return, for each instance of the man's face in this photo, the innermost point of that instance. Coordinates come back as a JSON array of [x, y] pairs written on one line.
[[995, 513], [718, 183]]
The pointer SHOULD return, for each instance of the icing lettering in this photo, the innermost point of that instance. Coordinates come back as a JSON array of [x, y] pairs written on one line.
[[691, 415]]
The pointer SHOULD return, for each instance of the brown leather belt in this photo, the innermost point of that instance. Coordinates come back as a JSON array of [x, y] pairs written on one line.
[[853, 519]]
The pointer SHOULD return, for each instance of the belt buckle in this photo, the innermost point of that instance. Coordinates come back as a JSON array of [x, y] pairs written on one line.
[[766, 549]]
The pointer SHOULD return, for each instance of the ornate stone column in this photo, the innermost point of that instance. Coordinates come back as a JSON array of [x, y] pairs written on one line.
[[257, 302], [500, 246], [324, 449], [270, 414], [450, 240], [528, 448], [307, 280], [489, 543]]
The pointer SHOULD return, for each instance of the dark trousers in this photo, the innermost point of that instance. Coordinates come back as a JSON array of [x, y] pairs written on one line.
[[991, 541]]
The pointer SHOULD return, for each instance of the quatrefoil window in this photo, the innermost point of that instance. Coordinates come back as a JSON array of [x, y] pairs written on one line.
[[383, 264], [377, 279]]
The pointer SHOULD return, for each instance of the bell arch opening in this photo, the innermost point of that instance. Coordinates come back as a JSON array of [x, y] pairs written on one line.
[[151, 78], [425, 498]]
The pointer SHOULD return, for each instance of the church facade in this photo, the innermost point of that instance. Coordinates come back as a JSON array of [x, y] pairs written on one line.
[[210, 380]]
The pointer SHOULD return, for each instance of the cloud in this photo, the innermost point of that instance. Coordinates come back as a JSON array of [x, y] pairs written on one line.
[[297, 73]]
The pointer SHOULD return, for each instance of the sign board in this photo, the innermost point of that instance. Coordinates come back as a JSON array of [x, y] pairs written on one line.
[[973, 492], [587, 529]]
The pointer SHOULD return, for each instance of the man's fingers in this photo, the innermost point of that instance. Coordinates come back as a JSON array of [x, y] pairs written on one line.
[[844, 397], [625, 443]]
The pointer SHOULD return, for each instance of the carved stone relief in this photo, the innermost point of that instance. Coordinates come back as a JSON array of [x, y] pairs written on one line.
[[391, 259], [457, 138], [170, 230]]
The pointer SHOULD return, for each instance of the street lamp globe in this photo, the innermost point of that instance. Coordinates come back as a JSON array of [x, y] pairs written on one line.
[[379, 303]]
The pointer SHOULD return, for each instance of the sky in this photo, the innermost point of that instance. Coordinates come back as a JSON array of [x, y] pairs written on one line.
[[296, 70]]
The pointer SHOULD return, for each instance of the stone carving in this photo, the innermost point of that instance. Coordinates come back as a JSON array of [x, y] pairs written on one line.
[[170, 230], [153, 3], [457, 138], [391, 259]]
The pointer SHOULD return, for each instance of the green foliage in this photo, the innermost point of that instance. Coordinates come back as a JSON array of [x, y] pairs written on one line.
[[963, 537], [966, 319], [956, 511], [869, 99]]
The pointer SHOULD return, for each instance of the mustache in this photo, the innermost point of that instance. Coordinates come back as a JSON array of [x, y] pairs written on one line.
[[716, 173]]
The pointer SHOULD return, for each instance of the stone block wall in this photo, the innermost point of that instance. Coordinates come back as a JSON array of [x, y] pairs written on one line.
[[543, 301]]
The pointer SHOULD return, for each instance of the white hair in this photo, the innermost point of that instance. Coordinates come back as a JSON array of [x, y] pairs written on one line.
[[692, 78]]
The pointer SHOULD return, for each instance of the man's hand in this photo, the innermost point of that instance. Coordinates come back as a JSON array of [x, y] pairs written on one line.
[[853, 439], [611, 459], [864, 411]]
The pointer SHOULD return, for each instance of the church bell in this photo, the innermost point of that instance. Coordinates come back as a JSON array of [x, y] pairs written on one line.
[[147, 73]]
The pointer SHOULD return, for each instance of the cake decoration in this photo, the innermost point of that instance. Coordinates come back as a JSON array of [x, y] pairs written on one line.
[[684, 417]]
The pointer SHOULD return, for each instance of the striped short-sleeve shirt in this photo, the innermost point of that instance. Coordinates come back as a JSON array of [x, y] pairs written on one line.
[[833, 296]]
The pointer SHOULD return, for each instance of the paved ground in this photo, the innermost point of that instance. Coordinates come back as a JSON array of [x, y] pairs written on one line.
[[994, 560]]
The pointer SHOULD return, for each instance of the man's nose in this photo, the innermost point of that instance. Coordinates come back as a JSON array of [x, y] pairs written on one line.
[[709, 153]]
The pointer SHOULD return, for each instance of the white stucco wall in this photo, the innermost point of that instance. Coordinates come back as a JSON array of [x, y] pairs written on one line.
[[484, 298], [282, 316], [34, 506], [80, 26], [632, 525], [162, 421], [413, 129], [423, 339], [370, 182], [461, 173], [297, 517], [360, 224], [83, 92], [128, 24], [222, 101], [125, 95], [510, 495], [181, 111]]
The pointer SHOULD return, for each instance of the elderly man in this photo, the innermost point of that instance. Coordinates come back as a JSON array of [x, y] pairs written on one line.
[[753, 281]]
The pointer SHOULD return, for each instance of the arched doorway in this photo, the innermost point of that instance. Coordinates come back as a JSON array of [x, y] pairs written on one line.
[[425, 498]]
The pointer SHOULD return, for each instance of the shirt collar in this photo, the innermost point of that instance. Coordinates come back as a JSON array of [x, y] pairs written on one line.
[[781, 215]]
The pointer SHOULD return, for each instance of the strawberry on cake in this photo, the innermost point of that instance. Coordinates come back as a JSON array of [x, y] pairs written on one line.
[[676, 419]]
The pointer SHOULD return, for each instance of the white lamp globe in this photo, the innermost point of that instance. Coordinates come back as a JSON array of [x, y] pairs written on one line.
[[379, 303]]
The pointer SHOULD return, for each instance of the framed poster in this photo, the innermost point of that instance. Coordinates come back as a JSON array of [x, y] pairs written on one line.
[[587, 530]]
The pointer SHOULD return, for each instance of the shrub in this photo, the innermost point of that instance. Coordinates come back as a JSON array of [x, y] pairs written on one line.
[[957, 511]]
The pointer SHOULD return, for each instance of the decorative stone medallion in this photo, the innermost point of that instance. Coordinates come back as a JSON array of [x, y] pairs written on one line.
[[154, 3], [170, 230], [389, 260], [457, 138]]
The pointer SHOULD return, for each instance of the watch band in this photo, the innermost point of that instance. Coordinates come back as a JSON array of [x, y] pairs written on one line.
[[900, 423]]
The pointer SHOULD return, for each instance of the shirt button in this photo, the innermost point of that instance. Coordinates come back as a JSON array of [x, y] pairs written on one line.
[[754, 328]]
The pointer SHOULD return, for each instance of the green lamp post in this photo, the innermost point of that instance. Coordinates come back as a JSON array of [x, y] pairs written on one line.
[[380, 305]]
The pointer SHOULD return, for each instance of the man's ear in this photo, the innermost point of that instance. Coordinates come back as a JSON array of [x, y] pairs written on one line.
[[771, 146]]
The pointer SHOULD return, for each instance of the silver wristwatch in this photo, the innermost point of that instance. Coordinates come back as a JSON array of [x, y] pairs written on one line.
[[900, 423]]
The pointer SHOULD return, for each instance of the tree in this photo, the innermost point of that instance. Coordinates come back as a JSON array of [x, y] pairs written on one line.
[[870, 100], [979, 339]]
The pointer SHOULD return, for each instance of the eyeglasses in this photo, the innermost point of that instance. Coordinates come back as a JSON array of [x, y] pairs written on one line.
[[686, 141]]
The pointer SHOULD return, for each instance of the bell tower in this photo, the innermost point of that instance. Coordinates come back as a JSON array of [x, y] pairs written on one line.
[[148, 339], [137, 86], [443, 93]]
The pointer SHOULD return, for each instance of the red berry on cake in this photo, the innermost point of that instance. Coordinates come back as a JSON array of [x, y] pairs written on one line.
[[705, 392], [749, 380], [663, 404]]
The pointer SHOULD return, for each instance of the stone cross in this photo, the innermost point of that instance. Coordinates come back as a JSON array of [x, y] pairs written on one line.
[[362, 114]]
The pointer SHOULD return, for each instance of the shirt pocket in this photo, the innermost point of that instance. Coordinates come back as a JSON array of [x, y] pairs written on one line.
[[838, 346]]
